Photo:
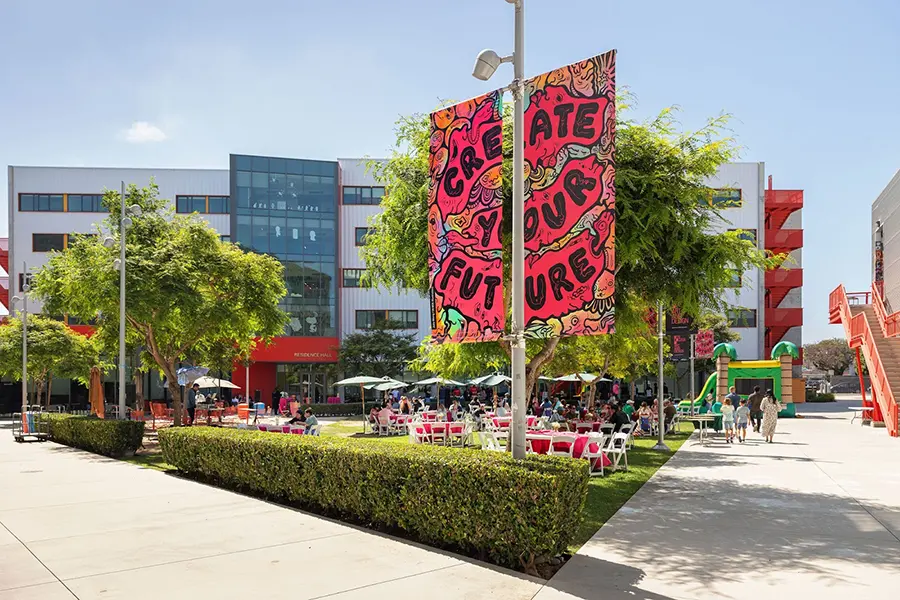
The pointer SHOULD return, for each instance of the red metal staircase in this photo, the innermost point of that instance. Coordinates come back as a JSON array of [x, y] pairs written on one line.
[[874, 335]]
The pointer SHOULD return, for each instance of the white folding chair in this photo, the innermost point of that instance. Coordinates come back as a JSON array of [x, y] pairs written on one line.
[[489, 441], [617, 450], [536, 437], [457, 435], [568, 443], [607, 429], [419, 434], [628, 429], [384, 426], [439, 433], [594, 457], [314, 430]]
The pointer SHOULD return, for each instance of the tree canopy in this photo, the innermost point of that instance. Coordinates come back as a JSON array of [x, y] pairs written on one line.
[[189, 295], [829, 355], [53, 350], [379, 352], [666, 250]]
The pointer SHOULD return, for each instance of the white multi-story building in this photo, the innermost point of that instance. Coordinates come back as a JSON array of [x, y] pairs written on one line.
[[766, 306], [311, 215]]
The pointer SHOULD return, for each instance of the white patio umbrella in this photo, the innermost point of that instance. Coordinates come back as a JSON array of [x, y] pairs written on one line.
[[384, 386], [491, 380], [439, 381], [212, 382], [361, 380], [578, 377]]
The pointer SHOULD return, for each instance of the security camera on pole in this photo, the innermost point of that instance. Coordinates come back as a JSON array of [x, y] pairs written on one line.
[[485, 65]]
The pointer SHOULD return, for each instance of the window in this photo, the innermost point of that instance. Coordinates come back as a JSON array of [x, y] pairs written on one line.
[[41, 203], [48, 242], [742, 317], [746, 234], [23, 279], [205, 205], [353, 278], [361, 233], [85, 203], [225, 238], [392, 319], [727, 198], [363, 195], [736, 281]]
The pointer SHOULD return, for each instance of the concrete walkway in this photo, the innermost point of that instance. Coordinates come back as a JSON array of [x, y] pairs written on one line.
[[75, 525], [815, 515]]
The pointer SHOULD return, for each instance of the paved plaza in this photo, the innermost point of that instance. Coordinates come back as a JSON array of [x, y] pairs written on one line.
[[816, 515]]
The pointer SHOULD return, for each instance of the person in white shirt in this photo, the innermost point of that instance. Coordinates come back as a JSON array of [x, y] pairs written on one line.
[[728, 420]]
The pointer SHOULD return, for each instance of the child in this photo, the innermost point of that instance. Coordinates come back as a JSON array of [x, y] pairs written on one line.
[[742, 419], [728, 420]]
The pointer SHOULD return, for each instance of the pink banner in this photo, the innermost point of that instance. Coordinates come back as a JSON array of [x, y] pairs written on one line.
[[464, 218], [570, 215]]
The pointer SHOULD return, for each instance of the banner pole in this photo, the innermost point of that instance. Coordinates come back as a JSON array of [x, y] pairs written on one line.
[[518, 237], [693, 376], [661, 424]]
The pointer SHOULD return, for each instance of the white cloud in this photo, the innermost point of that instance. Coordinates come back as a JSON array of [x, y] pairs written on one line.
[[142, 131]]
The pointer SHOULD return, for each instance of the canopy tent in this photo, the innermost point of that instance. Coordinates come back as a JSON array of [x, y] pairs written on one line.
[[384, 386], [362, 380], [578, 377], [438, 381], [491, 380]]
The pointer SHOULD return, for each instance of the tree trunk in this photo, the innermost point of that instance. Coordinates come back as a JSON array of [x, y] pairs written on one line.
[[533, 368], [138, 391], [174, 390], [49, 387], [39, 392]]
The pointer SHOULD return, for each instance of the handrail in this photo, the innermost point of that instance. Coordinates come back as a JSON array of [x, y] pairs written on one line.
[[857, 329], [890, 323]]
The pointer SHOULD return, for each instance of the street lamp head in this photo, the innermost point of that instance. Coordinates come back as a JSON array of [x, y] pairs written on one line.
[[485, 64], [108, 242], [26, 288], [116, 264], [135, 210], [126, 222], [16, 299]]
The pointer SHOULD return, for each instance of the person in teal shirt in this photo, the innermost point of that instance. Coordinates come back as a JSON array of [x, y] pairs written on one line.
[[717, 410], [628, 409]]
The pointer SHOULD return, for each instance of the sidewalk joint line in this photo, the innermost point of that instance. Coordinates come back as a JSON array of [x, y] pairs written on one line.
[[368, 585], [24, 545]]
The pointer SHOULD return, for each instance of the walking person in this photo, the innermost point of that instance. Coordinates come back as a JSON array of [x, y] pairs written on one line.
[[192, 401], [728, 420], [770, 409], [754, 402], [741, 419]]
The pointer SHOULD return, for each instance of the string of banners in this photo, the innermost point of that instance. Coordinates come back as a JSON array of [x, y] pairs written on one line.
[[569, 208]]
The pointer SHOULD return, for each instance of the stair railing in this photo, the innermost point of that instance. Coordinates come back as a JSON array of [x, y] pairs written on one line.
[[890, 323], [859, 334]]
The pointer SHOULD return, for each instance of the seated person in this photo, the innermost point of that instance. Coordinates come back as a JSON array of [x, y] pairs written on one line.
[[669, 411], [628, 409], [619, 418], [298, 418], [501, 410], [384, 415], [644, 417], [557, 417], [311, 420]]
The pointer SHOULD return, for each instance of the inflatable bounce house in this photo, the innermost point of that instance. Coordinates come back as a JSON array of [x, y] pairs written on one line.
[[776, 374]]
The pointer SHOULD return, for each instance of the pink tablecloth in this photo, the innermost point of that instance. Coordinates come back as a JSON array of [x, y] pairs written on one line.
[[543, 446], [440, 427], [334, 400]]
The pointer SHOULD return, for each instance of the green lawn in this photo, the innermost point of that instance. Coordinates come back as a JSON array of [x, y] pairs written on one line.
[[150, 460]]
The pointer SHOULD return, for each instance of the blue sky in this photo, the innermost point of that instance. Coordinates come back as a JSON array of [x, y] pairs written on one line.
[[813, 86]]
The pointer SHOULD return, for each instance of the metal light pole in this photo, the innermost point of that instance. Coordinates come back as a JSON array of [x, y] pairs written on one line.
[[122, 228], [661, 415], [485, 65], [24, 299], [693, 375]]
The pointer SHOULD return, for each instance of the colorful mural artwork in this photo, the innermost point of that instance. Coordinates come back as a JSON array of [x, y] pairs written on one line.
[[464, 219], [570, 121]]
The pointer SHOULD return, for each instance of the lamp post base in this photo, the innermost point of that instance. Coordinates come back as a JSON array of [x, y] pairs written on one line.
[[661, 447]]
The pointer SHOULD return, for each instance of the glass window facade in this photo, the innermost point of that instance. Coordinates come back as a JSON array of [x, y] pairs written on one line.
[[41, 203], [727, 198], [352, 278], [363, 195], [746, 234], [288, 208], [361, 233], [86, 203], [48, 242], [393, 319], [205, 205], [742, 317]]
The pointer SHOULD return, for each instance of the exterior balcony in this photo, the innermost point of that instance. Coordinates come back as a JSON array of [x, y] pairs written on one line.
[[787, 278], [4, 293], [789, 200], [784, 318], [783, 240]]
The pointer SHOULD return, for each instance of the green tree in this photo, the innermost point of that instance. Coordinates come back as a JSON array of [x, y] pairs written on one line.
[[829, 355], [665, 250], [53, 349], [379, 352], [188, 293]]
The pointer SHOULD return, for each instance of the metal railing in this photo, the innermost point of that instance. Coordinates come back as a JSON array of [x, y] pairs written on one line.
[[859, 334], [890, 323]]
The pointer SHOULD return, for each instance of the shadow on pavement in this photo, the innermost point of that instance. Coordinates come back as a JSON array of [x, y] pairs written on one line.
[[591, 578]]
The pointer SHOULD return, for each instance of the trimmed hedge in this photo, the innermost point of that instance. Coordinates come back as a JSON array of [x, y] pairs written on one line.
[[485, 504], [107, 437]]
